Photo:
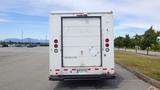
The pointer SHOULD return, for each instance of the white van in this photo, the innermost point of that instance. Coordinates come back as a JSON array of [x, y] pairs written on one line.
[[81, 46]]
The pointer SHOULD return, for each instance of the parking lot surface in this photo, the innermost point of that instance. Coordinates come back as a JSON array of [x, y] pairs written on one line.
[[27, 69]]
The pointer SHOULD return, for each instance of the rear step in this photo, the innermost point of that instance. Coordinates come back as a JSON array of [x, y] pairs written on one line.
[[81, 77]]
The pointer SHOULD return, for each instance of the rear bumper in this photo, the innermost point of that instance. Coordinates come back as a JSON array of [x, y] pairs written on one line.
[[80, 77]]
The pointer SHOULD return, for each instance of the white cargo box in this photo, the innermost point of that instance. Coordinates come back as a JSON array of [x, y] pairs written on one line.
[[81, 45]]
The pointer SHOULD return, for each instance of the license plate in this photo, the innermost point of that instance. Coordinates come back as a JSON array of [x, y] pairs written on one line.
[[82, 70]]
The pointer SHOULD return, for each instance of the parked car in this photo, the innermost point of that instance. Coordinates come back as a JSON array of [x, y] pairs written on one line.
[[31, 45], [18, 45], [4, 45]]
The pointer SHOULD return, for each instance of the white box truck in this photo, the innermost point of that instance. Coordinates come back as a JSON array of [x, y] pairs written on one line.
[[81, 46]]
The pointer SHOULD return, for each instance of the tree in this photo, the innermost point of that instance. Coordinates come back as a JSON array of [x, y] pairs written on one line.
[[137, 39], [149, 38], [127, 41], [132, 43], [118, 42]]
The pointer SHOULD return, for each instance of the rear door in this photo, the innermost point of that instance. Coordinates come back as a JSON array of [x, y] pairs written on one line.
[[81, 41]]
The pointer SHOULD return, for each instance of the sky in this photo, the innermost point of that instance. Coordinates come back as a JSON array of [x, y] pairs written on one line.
[[31, 16]]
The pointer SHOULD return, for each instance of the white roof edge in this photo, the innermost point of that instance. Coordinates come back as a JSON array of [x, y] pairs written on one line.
[[74, 12]]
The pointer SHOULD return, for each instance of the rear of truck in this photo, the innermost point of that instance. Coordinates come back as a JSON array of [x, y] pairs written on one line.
[[81, 46]]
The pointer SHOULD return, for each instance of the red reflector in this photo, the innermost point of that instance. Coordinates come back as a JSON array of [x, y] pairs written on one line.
[[55, 41], [112, 68], [65, 69], [104, 68], [96, 68], [107, 73], [55, 46], [74, 69], [107, 40], [107, 45], [57, 70]]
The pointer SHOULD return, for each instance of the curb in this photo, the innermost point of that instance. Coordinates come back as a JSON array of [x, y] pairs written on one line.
[[142, 76]]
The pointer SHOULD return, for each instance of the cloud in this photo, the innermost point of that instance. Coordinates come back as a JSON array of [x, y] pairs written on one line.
[[4, 20], [138, 23], [131, 13]]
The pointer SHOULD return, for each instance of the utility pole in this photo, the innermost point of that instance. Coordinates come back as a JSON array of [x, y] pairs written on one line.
[[22, 36], [46, 37]]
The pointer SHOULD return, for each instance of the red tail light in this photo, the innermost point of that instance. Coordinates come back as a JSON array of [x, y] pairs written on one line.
[[96, 68], [57, 70], [74, 69], [104, 68], [107, 45], [55, 41], [55, 45], [65, 69], [107, 40], [108, 73]]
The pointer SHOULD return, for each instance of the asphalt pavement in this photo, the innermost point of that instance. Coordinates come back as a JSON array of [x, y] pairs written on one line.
[[27, 69]]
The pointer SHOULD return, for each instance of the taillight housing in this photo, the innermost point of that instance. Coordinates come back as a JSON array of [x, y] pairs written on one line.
[[55, 45], [107, 44]]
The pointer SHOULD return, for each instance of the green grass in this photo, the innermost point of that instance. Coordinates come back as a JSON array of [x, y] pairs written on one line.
[[148, 65]]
